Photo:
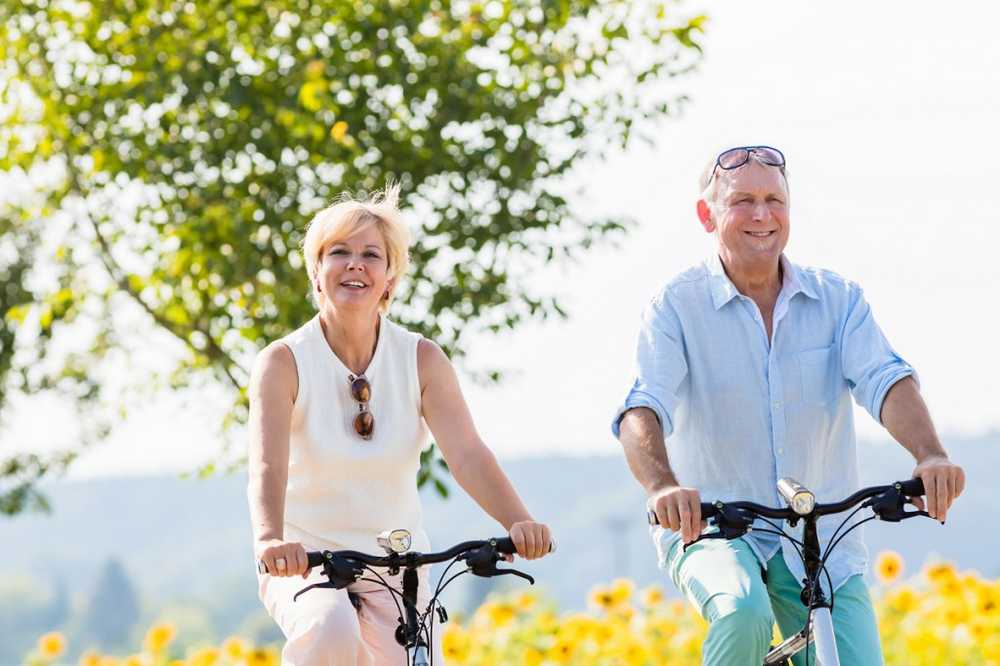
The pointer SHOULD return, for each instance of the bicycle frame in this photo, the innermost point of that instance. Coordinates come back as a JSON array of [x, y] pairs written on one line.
[[343, 568], [734, 519]]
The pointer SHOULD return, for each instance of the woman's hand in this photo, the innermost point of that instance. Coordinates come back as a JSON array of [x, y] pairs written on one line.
[[283, 558], [532, 540]]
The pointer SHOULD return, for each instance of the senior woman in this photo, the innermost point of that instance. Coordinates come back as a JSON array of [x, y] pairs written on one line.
[[339, 413]]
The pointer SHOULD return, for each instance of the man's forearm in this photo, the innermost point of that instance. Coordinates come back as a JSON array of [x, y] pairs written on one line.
[[642, 439], [905, 416]]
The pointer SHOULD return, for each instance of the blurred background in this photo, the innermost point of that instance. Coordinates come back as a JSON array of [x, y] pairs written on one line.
[[159, 162]]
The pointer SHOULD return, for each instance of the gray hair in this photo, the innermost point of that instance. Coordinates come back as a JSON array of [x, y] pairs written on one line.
[[709, 187]]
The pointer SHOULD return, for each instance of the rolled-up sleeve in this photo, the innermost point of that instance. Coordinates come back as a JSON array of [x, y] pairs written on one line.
[[871, 366], [660, 365]]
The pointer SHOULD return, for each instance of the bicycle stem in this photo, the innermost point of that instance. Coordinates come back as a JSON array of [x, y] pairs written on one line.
[[812, 592], [411, 626]]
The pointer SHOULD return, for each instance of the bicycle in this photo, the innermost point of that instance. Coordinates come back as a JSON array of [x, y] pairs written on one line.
[[344, 567], [734, 519]]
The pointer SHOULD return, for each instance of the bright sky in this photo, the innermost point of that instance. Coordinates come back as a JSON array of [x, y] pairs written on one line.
[[887, 114]]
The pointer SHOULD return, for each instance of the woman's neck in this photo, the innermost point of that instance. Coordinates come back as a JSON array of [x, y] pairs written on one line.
[[352, 336]]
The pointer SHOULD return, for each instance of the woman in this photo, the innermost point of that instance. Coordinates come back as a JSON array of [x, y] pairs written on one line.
[[339, 412]]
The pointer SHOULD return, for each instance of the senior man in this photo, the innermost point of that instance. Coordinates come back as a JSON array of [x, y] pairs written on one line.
[[746, 365]]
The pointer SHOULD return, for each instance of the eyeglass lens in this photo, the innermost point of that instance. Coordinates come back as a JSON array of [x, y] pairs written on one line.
[[364, 422], [737, 157]]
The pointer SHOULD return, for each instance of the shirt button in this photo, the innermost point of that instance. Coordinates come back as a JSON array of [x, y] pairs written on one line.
[[781, 450], [777, 404]]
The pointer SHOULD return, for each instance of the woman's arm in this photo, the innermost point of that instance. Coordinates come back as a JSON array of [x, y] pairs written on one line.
[[273, 387], [471, 462]]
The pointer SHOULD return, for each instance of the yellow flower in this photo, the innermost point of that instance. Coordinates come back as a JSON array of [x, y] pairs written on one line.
[[51, 645], [621, 590], [204, 657], [562, 650], [132, 660], [90, 658], [532, 657], [525, 601], [902, 600], [940, 572], [601, 597], [888, 566], [262, 657], [159, 637], [233, 648], [652, 596], [339, 130], [455, 644]]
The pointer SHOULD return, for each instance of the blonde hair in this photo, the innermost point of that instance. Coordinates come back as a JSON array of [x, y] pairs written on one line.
[[347, 217]]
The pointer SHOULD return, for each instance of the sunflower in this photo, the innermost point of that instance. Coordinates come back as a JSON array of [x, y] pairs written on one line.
[[51, 645], [888, 566], [159, 636]]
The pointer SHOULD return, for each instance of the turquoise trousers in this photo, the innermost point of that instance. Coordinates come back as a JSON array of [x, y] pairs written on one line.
[[725, 583]]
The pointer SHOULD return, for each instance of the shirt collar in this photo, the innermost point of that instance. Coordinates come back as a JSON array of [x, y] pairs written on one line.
[[723, 290]]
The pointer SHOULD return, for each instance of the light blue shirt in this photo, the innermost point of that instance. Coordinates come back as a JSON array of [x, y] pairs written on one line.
[[738, 412]]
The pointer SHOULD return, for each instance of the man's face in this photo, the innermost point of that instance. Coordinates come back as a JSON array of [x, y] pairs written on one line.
[[750, 214]]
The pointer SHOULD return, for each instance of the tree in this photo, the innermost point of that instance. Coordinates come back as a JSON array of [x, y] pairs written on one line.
[[113, 609], [169, 154]]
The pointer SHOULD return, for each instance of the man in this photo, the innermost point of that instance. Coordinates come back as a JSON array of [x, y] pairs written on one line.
[[746, 364]]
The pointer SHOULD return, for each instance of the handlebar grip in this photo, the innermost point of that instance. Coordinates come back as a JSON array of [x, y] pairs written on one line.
[[315, 559], [707, 511], [912, 487], [505, 545]]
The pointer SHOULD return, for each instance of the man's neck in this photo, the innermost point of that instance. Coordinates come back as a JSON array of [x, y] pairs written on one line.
[[759, 281]]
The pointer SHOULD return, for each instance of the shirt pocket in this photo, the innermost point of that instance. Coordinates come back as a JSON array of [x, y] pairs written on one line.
[[819, 375]]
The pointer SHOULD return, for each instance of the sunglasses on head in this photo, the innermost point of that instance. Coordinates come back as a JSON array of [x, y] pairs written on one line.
[[734, 158]]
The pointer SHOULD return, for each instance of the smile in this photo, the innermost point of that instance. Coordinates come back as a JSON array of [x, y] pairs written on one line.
[[760, 234], [353, 284]]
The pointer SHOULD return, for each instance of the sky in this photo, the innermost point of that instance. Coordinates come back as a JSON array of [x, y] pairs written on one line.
[[887, 114]]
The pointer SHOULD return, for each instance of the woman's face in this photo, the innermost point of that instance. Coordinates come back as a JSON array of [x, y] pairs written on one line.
[[354, 272]]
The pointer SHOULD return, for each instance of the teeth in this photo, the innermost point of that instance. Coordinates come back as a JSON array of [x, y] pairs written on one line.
[[352, 284], [759, 234]]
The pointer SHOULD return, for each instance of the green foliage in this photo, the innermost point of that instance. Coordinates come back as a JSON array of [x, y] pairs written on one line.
[[176, 151]]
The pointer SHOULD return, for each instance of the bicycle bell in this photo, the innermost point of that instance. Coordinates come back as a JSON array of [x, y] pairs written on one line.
[[395, 541]]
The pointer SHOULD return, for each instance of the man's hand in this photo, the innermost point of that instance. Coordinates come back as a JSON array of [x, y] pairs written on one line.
[[679, 510], [943, 482]]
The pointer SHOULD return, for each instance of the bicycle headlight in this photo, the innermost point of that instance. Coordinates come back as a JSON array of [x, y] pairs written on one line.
[[395, 541], [799, 498]]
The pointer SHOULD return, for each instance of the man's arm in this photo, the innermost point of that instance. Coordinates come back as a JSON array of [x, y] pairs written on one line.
[[676, 507], [904, 414]]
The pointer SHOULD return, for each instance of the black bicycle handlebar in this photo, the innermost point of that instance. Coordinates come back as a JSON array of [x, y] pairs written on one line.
[[502, 545], [316, 558], [908, 488]]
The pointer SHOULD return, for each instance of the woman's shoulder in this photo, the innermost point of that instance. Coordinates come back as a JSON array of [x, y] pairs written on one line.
[[275, 368]]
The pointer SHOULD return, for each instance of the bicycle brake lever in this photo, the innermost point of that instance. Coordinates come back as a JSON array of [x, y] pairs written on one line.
[[313, 586], [483, 562], [513, 572], [890, 506]]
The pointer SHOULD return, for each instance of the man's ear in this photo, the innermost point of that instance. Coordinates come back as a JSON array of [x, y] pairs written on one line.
[[705, 216]]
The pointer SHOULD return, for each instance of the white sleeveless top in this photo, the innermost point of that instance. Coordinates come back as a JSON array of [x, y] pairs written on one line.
[[343, 490]]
